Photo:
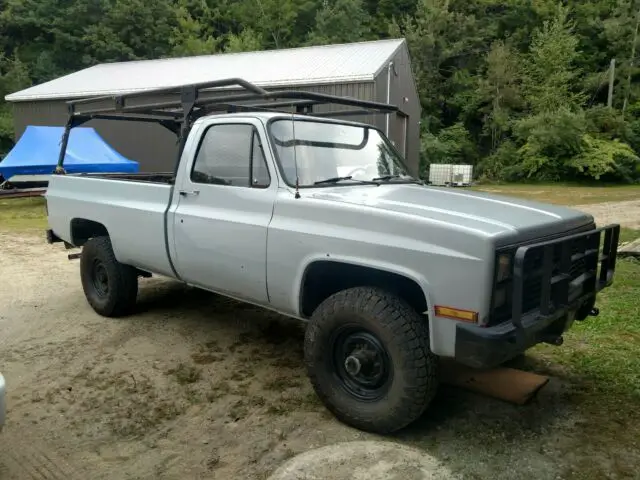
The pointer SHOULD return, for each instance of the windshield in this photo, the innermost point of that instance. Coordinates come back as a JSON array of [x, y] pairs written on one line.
[[333, 151]]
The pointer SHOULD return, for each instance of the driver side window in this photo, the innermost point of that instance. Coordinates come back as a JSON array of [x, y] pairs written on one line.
[[232, 155]]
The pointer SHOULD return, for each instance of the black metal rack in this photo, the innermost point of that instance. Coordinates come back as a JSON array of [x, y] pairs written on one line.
[[178, 115]]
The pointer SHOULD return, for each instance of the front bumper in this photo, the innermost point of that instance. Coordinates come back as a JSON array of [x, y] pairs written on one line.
[[3, 404], [563, 299]]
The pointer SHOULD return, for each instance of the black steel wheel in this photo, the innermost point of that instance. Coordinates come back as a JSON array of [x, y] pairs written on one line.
[[361, 362], [110, 287], [367, 356], [100, 278]]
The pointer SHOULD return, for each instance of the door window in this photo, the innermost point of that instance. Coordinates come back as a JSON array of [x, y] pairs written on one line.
[[260, 172], [231, 154]]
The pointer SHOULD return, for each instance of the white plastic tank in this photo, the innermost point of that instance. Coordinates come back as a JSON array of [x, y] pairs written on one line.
[[440, 174], [450, 175], [461, 175]]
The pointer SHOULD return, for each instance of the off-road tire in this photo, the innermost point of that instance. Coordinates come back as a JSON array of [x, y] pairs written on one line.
[[405, 336], [118, 298]]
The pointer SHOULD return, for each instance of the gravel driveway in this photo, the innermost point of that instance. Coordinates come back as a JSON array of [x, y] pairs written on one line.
[[626, 214], [195, 386]]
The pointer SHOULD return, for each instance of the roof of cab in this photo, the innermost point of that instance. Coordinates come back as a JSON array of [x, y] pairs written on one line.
[[266, 116]]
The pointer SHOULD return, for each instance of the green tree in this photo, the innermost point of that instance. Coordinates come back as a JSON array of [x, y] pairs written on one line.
[[129, 30], [621, 33], [500, 89], [517, 87], [192, 35], [440, 41], [381, 11], [451, 145], [272, 20], [339, 21], [13, 76], [246, 41], [549, 73]]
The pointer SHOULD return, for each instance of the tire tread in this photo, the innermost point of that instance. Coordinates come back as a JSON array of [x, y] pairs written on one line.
[[123, 288], [410, 331]]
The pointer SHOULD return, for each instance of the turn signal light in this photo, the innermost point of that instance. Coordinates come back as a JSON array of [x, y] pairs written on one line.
[[456, 314]]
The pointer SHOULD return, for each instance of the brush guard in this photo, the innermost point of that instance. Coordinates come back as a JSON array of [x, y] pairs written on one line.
[[564, 297]]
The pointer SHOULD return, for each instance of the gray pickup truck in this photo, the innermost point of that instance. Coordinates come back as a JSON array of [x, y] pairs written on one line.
[[320, 220]]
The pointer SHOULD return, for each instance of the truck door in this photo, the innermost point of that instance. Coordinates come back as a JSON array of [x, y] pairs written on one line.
[[224, 205]]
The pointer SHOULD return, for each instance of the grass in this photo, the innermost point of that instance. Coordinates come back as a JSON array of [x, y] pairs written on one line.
[[628, 235], [565, 194], [602, 353], [22, 214]]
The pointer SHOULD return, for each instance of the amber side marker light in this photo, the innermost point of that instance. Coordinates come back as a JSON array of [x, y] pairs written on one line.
[[456, 314]]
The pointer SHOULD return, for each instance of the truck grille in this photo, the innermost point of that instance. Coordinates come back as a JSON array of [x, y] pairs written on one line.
[[533, 266]]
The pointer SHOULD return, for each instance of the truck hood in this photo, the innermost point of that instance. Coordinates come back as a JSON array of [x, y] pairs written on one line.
[[507, 219]]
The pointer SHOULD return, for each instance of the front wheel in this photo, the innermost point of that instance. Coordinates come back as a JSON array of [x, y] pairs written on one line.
[[111, 288], [368, 358]]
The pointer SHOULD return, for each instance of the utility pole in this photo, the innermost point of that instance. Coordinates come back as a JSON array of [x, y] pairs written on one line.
[[631, 61], [612, 78]]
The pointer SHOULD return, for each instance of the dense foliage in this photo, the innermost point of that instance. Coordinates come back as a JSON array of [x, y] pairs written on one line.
[[518, 88]]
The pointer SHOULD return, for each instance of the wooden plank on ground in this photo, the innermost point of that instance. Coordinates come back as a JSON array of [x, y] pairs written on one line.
[[631, 249], [507, 384]]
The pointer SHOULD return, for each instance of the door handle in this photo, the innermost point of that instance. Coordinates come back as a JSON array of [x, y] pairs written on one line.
[[185, 193]]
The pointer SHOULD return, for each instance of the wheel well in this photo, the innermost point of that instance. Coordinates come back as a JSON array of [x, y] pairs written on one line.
[[324, 278], [82, 230]]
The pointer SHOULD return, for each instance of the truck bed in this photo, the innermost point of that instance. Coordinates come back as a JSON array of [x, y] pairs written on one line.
[[131, 207]]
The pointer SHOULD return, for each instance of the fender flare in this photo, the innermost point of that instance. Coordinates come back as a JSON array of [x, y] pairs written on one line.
[[306, 263]]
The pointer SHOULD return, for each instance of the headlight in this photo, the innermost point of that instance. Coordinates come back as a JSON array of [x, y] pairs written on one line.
[[504, 267]]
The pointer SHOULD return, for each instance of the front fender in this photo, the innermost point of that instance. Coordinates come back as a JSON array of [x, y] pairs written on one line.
[[296, 292]]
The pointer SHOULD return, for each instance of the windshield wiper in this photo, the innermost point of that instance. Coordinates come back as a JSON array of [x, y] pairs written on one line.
[[340, 179], [386, 178], [332, 180]]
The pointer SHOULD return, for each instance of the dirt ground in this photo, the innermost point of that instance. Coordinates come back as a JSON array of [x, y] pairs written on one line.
[[195, 386], [626, 213]]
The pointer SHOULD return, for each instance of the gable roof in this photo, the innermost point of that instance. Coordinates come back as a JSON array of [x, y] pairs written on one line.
[[350, 62]]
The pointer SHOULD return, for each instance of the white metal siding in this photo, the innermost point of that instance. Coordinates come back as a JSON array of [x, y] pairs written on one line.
[[326, 64]]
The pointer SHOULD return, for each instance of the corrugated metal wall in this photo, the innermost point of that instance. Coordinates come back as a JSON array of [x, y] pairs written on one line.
[[155, 147], [404, 127], [150, 144]]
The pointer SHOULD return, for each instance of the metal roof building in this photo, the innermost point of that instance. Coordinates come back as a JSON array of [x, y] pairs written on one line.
[[376, 71]]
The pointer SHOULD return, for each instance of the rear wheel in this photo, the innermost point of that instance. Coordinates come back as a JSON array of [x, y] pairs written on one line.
[[110, 287], [367, 356]]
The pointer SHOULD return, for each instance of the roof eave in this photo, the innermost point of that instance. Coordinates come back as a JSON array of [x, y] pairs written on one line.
[[385, 64], [16, 97]]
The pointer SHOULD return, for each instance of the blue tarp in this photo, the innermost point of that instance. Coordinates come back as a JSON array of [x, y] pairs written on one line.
[[37, 151]]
